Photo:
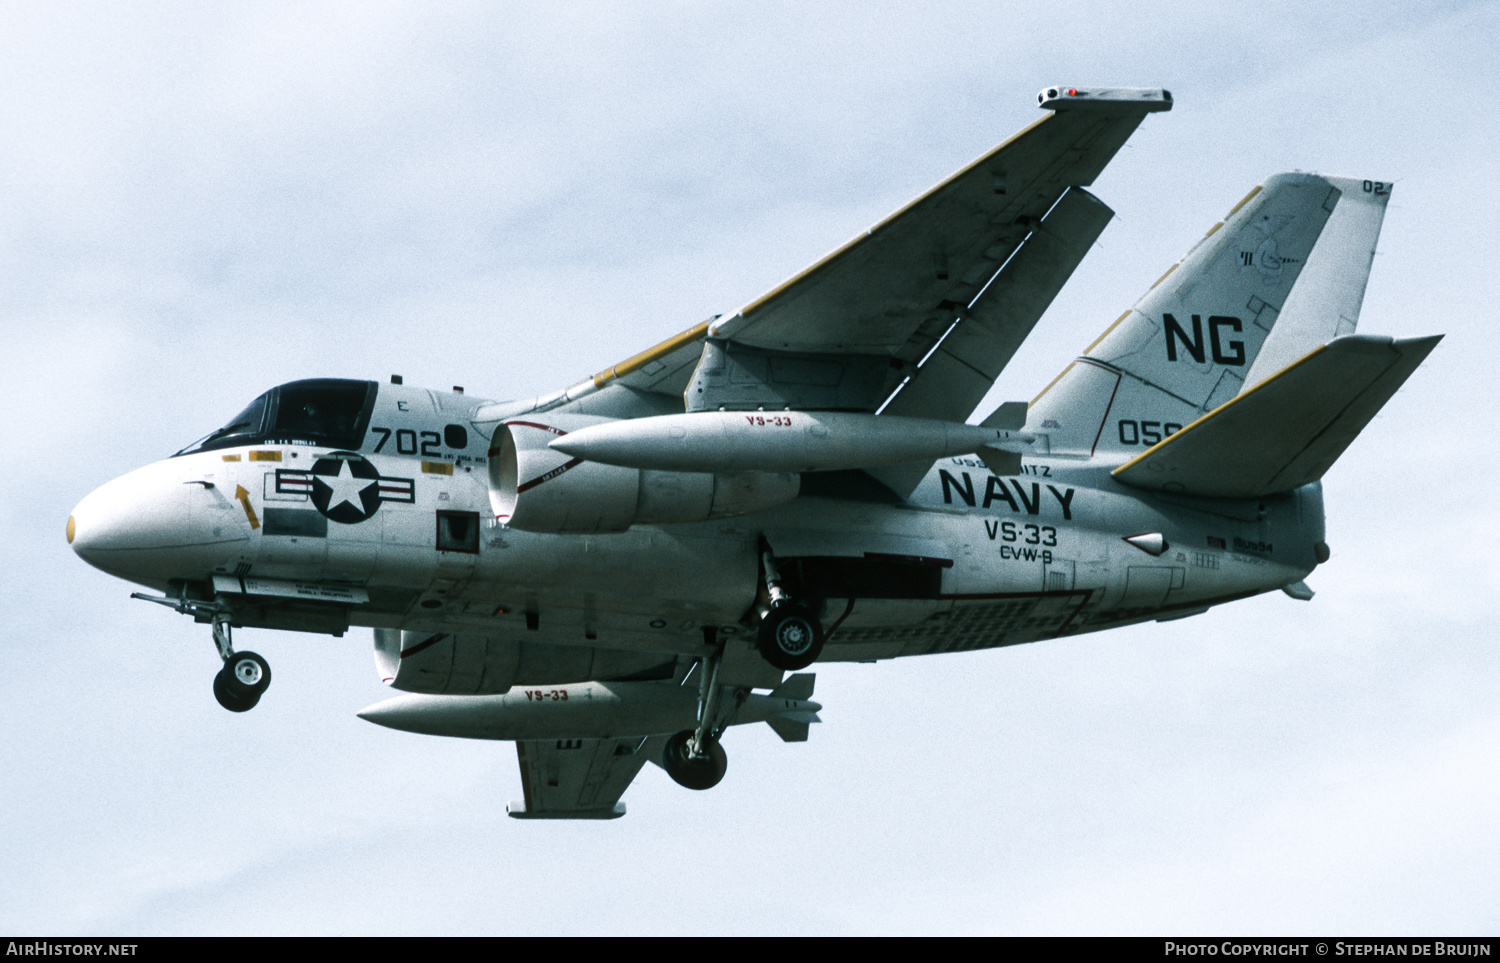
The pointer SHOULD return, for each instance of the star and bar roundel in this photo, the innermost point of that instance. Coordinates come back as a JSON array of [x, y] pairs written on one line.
[[345, 487]]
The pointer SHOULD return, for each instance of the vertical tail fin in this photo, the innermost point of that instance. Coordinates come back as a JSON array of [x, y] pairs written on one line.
[[1283, 273], [1325, 302]]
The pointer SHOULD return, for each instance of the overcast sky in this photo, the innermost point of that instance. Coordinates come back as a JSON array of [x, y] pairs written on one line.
[[199, 201]]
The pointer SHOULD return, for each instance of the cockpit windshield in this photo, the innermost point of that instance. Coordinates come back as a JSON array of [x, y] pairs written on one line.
[[326, 412]]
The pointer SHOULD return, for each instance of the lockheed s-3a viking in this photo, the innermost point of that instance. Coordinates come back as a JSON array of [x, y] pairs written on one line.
[[617, 572]]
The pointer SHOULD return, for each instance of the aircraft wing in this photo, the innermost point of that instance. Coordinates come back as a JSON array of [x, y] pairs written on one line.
[[897, 289], [661, 369], [873, 294], [968, 267], [579, 778]]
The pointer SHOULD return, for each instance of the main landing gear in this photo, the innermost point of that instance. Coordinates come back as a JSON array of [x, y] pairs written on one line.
[[790, 637], [702, 771], [693, 758], [245, 676]]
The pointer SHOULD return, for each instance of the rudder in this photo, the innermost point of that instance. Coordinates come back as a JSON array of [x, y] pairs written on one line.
[[1192, 341]]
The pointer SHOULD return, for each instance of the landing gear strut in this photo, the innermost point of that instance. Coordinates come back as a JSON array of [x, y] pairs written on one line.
[[693, 757], [245, 676], [790, 637]]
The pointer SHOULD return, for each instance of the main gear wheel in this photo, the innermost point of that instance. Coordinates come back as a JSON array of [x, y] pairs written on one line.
[[701, 771], [790, 637]]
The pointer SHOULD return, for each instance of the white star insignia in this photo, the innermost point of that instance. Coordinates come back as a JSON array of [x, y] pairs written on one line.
[[344, 487]]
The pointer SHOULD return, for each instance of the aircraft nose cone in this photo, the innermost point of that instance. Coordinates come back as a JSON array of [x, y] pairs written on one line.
[[91, 529], [152, 523], [130, 513]]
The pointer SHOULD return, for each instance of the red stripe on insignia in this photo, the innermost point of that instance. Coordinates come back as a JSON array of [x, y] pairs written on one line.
[[293, 482]]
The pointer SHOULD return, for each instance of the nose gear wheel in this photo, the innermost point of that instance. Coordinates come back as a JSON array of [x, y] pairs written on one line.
[[245, 676], [247, 673], [231, 700]]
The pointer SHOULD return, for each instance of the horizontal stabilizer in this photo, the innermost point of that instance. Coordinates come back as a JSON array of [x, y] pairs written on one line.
[[1286, 431]]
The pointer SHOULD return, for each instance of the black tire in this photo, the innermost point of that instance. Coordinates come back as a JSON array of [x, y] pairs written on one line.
[[247, 675], [230, 699], [704, 772], [790, 637]]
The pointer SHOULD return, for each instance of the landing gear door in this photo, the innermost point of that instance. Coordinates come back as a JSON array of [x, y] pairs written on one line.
[[866, 579]]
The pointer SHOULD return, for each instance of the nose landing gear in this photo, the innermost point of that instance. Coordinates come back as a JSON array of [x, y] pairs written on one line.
[[245, 676]]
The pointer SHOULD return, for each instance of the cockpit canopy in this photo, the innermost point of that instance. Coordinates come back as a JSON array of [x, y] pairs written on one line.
[[324, 412]]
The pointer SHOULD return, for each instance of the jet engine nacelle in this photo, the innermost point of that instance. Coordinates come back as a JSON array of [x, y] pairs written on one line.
[[538, 489]]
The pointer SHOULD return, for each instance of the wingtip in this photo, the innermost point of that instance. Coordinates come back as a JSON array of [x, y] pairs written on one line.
[[1067, 96]]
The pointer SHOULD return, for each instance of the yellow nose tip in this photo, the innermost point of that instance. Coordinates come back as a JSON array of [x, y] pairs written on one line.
[[72, 527]]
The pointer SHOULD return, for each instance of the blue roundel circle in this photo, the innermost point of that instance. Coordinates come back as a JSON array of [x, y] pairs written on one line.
[[346, 488]]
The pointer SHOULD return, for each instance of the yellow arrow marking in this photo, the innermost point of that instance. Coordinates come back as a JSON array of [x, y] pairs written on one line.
[[244, 497]]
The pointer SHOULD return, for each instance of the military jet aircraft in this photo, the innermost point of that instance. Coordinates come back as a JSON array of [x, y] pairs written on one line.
[[616, 572]]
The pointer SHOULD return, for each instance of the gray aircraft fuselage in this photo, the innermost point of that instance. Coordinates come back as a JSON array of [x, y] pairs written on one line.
[[399, 534]]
